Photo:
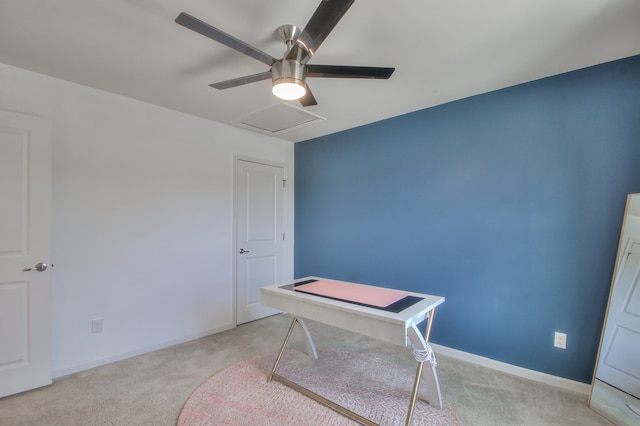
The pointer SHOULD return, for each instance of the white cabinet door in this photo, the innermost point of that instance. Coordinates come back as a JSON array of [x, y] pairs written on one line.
[[620, 359], [25, 241]]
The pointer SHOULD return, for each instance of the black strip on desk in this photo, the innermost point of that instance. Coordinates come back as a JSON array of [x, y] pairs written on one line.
[[395, 307], [403, 304], [304, 282]]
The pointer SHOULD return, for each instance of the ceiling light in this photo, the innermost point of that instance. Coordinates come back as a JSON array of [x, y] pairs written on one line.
[[288, 90], [288, 79]]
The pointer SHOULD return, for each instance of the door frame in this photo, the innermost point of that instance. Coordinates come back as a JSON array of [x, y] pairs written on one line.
[[286, 224]]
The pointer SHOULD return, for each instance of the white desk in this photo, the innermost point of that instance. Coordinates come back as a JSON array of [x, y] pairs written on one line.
[[399, 328]]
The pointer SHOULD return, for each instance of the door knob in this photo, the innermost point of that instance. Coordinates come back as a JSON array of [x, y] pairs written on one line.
[[39, 267], [242, 251]]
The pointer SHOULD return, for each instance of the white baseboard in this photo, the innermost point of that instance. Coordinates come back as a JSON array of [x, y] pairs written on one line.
[[82, 367], [525, 373]]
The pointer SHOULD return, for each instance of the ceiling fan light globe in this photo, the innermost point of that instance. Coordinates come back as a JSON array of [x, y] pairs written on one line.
[[288, 89]]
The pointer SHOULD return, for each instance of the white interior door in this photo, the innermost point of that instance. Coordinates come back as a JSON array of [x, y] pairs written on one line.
[[260, 190], [620, 359], [25, 241]]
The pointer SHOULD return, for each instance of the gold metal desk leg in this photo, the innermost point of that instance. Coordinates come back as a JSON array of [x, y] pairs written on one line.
[[324, 401], [299, 388], [416, 383], [284, 344]]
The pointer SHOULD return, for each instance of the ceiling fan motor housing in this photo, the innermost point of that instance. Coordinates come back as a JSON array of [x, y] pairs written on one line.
[[288, 71]]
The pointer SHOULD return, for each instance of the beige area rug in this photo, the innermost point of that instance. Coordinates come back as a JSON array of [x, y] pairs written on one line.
[[374, 388]]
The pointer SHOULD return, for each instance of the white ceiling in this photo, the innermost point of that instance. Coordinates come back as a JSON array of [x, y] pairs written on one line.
[[443, 50]]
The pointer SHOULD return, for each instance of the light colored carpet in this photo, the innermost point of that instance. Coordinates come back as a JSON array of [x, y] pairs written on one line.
[[367, 385], [151, 389]]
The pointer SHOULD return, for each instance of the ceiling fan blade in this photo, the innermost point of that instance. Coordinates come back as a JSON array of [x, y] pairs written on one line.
[[323, 20], [207, 30], [227, 84], [308, 99], [347, 71]]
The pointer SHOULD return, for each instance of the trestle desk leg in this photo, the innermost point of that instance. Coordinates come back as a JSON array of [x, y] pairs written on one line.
[[308, 341], [433, 392], [311, 347], [284, 344]]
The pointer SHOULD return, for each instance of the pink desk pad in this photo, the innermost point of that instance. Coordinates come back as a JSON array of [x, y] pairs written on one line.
[[373, 296]]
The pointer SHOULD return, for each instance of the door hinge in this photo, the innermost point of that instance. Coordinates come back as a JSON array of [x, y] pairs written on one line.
[[284, 183], [283, 237]]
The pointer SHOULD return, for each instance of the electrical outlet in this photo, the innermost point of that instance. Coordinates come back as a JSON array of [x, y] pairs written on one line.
[[560, 340], [96, 325]]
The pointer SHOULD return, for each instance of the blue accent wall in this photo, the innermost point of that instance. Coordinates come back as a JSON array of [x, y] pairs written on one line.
[[509, 204]]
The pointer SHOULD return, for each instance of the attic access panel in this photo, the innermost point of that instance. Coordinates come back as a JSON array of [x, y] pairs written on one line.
[[276, 119]]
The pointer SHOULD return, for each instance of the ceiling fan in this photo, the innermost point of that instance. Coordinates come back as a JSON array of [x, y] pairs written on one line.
[[289, 74]]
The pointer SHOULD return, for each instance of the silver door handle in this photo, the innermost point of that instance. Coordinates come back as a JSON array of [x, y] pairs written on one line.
[[242, 251], [39, 267]]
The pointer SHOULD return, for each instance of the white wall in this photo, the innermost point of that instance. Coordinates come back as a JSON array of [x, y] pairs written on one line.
[[142, 218]]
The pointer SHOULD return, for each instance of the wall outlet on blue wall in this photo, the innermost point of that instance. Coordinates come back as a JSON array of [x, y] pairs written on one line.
[[560, 340]]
